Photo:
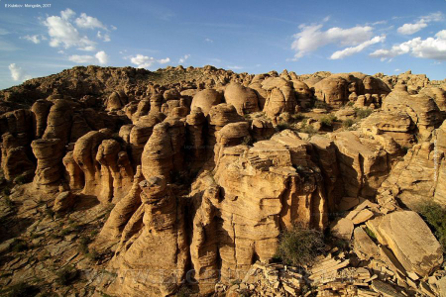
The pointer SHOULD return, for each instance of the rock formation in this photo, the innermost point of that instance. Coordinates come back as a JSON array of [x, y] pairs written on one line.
[[202, 170]]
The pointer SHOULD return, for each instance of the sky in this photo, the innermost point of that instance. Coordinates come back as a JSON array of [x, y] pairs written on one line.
[[253, 36]]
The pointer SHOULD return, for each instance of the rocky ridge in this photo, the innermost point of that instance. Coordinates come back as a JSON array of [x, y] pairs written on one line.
[[202, 169]]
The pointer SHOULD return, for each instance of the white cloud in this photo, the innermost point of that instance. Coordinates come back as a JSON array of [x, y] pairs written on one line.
[[67, 14], [356, 49], [142, 61], [397, 70], [88, 22], [184, 58], [63, 33], [235, 67], [429, 48], [164, 61], [310, 38], [102, 57], [3, 32], [209, 40], [17, 73], [433, 17], [82, 59], [114, 27], [409, 29], [33, 38], [105, 37]]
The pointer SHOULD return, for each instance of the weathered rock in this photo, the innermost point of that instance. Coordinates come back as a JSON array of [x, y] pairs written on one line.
[[205, 99], [244, 99], [157, 156], [410, 239], [343, 229], [332, 90], [49, 154], [422, 174], [422, 110], [363, 164], [15, 160], [40, 109], [120, 215], [59, 121], [64, 201], [161, 233]]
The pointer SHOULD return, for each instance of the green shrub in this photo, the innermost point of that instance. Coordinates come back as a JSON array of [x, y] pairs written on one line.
[[283, 126], [435, 216], [321, 104], [363, 113], [19, 246], [328, 120], [83, 244], [309, 129], [348, 123], [351, 103], [297, 117], [9, 203], [67, 275], [370, 233], [299, 246], [247, 140], [21, 289]]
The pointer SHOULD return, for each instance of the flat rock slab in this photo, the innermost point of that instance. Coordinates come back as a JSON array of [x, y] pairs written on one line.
[[362, 216], [410, 240], [343, 229]]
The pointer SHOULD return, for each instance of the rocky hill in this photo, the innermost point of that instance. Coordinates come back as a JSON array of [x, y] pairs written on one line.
[[198, 181]]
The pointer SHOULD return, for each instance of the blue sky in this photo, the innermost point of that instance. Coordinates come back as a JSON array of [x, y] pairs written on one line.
[[245, 36]]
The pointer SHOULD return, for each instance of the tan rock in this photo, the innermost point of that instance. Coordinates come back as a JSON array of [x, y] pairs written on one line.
[[409, 238], [363, 245], [49, 154], [64, 201], [363, 216], [343, 229], [205, 99], [244, 99]]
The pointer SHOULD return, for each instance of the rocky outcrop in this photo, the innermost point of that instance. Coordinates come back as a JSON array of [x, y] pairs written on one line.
[[205, 99], [422, 110], [243, 98], [332, 90], [162, 233], [49, 154], [410, 240], [363, 163], [409, 183], [281, 97]]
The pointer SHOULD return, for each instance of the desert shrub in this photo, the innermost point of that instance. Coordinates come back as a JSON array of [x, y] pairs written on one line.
[[351, 103], [297, 117], [283, 126], [363, 113], [370, 234], [348, 123], [247, 140], [21, 289], [328, 120], [184, 291], [299, 246], [435, 216], [321, 104], [8, 202], [67, 275], [309, 129], [19, 245]]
